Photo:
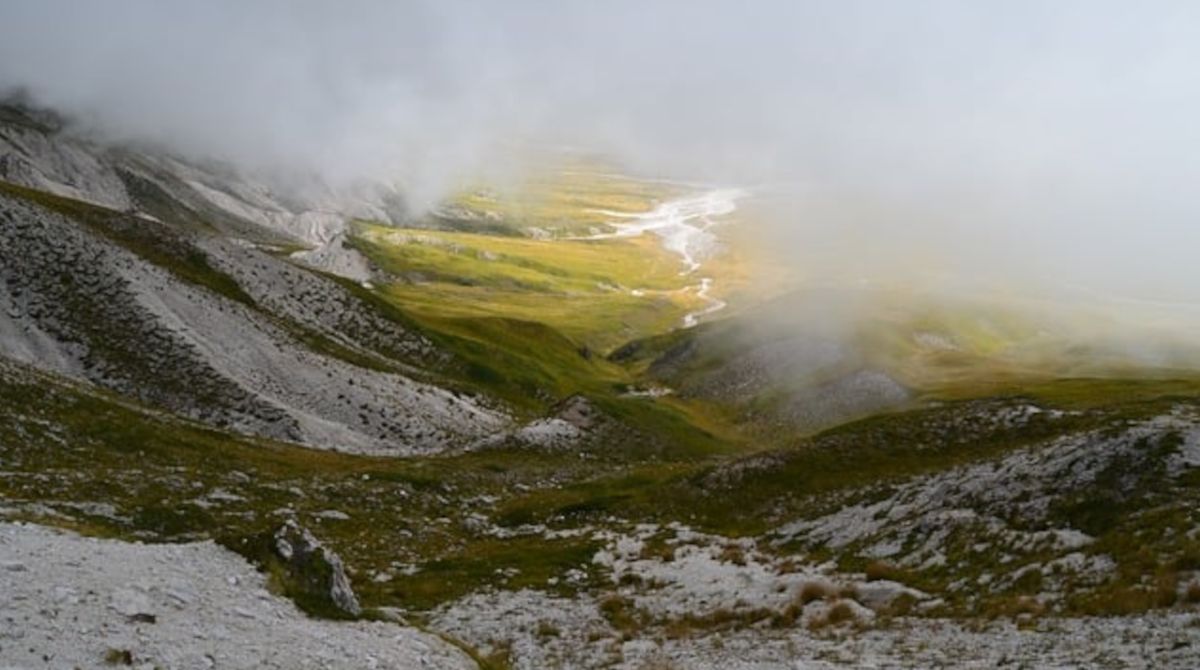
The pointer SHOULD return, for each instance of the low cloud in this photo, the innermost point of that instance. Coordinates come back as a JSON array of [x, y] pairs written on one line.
[[1054, 143]]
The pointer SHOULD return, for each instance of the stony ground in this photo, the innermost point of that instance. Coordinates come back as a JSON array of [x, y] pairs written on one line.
[[545, 632], [1126, 642], [702, 610], [70, 601], [702, 601], [73, 602]]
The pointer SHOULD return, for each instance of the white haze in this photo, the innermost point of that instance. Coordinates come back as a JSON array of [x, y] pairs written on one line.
[[1054, 144]]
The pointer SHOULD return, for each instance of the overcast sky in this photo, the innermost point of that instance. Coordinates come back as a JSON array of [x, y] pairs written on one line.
[[1049, 139]]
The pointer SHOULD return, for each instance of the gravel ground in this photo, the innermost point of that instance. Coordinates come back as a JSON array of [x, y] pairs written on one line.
[[74, 602], [581, 639], [1157, 641], [546, 631]]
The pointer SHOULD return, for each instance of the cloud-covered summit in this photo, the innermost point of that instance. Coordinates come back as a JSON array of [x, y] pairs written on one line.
[[1053, 139]]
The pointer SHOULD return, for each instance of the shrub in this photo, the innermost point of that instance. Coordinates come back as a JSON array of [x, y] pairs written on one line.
[[877, 570], [841, 612], [733, 553], [657, 548], [118, 657], [1192, 595], [621, 613], [901, 605], [813, 591], [1166, 589], [788, 566]]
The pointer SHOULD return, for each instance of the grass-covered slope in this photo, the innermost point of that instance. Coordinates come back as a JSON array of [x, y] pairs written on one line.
[[818, 357], [1060, 503], [90, 460], [124, 312], [600, 293], [1076, 498], [568, 196]]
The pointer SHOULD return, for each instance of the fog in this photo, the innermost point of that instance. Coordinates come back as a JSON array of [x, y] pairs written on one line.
[[1051, 145]]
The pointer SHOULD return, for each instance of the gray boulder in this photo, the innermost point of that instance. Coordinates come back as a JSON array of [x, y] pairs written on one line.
[[314, 573]]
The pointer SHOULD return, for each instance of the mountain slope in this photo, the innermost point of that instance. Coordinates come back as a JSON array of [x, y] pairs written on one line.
[[85, 306], [38, 149], [820, 356], [200, 291]]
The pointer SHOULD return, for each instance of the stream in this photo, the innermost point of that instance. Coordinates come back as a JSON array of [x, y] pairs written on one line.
[[683, 225]]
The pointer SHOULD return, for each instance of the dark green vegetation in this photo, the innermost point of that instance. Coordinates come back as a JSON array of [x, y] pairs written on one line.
[[751, 494]]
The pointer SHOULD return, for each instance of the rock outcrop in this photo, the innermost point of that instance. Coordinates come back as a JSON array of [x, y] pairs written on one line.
[[312, 570]]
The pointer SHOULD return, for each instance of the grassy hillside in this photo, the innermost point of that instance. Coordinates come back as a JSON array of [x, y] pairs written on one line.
[[521, 318], [442, 527], [821, 356], [92, 461], [566, 196], [600, 293]]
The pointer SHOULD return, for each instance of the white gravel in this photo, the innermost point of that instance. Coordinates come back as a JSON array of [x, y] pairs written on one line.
[[545, 631], [1152, 641], [553, 631], [66, 601]]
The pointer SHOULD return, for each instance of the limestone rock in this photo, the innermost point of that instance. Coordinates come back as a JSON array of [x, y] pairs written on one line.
[[313, 569]]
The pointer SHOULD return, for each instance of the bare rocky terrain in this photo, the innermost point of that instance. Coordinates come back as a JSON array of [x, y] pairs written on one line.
[[702, 608], [74, 602], [531, 619]]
